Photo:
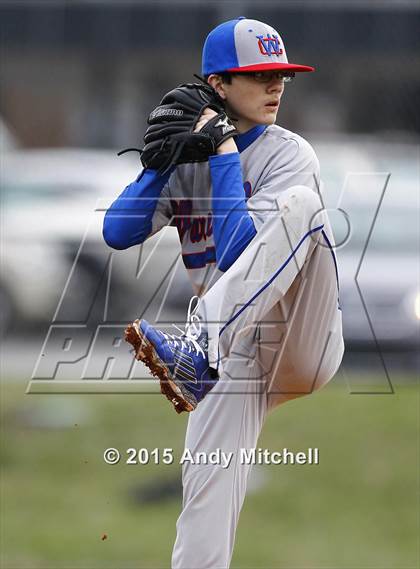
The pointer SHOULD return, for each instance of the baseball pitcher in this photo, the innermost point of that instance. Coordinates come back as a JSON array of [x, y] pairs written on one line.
[[265, 324]]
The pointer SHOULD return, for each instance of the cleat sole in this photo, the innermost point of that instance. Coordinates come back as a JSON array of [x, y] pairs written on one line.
[[145, 352]]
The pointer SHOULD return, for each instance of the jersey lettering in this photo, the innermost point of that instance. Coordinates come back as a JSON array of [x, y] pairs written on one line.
[[200, 228]]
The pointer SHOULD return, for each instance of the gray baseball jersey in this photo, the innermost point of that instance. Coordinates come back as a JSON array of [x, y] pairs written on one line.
[[275, 161]]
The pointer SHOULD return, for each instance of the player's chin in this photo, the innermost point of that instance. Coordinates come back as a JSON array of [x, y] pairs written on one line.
[[269, 116]]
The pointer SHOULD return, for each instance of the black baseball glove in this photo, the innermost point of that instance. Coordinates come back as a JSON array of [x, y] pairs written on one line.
[[170, 138]]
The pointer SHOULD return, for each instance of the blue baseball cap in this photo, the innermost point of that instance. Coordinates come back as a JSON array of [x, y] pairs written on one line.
[[246, 45]]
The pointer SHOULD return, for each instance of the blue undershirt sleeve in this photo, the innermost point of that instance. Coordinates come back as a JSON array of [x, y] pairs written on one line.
[[128, 221], [233, 228]]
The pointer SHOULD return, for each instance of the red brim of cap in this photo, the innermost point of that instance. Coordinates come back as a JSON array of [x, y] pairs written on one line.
[[294, 67]]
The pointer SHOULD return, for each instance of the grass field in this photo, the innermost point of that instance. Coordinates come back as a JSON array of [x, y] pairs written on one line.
[[357, 509]]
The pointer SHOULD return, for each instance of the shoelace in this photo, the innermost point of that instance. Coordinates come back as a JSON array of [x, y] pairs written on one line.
[[191, 333]]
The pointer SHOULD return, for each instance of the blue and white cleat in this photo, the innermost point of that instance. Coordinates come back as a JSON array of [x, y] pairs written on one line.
[[180, 362]]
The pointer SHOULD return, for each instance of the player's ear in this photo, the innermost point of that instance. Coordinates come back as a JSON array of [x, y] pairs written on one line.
[[216, 82]]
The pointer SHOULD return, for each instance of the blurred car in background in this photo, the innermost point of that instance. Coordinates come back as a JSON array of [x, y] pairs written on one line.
[[52, 244], [376, 186]]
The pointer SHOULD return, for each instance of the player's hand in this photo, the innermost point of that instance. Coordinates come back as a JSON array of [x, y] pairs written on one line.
[[205, 117], [226, 147]]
